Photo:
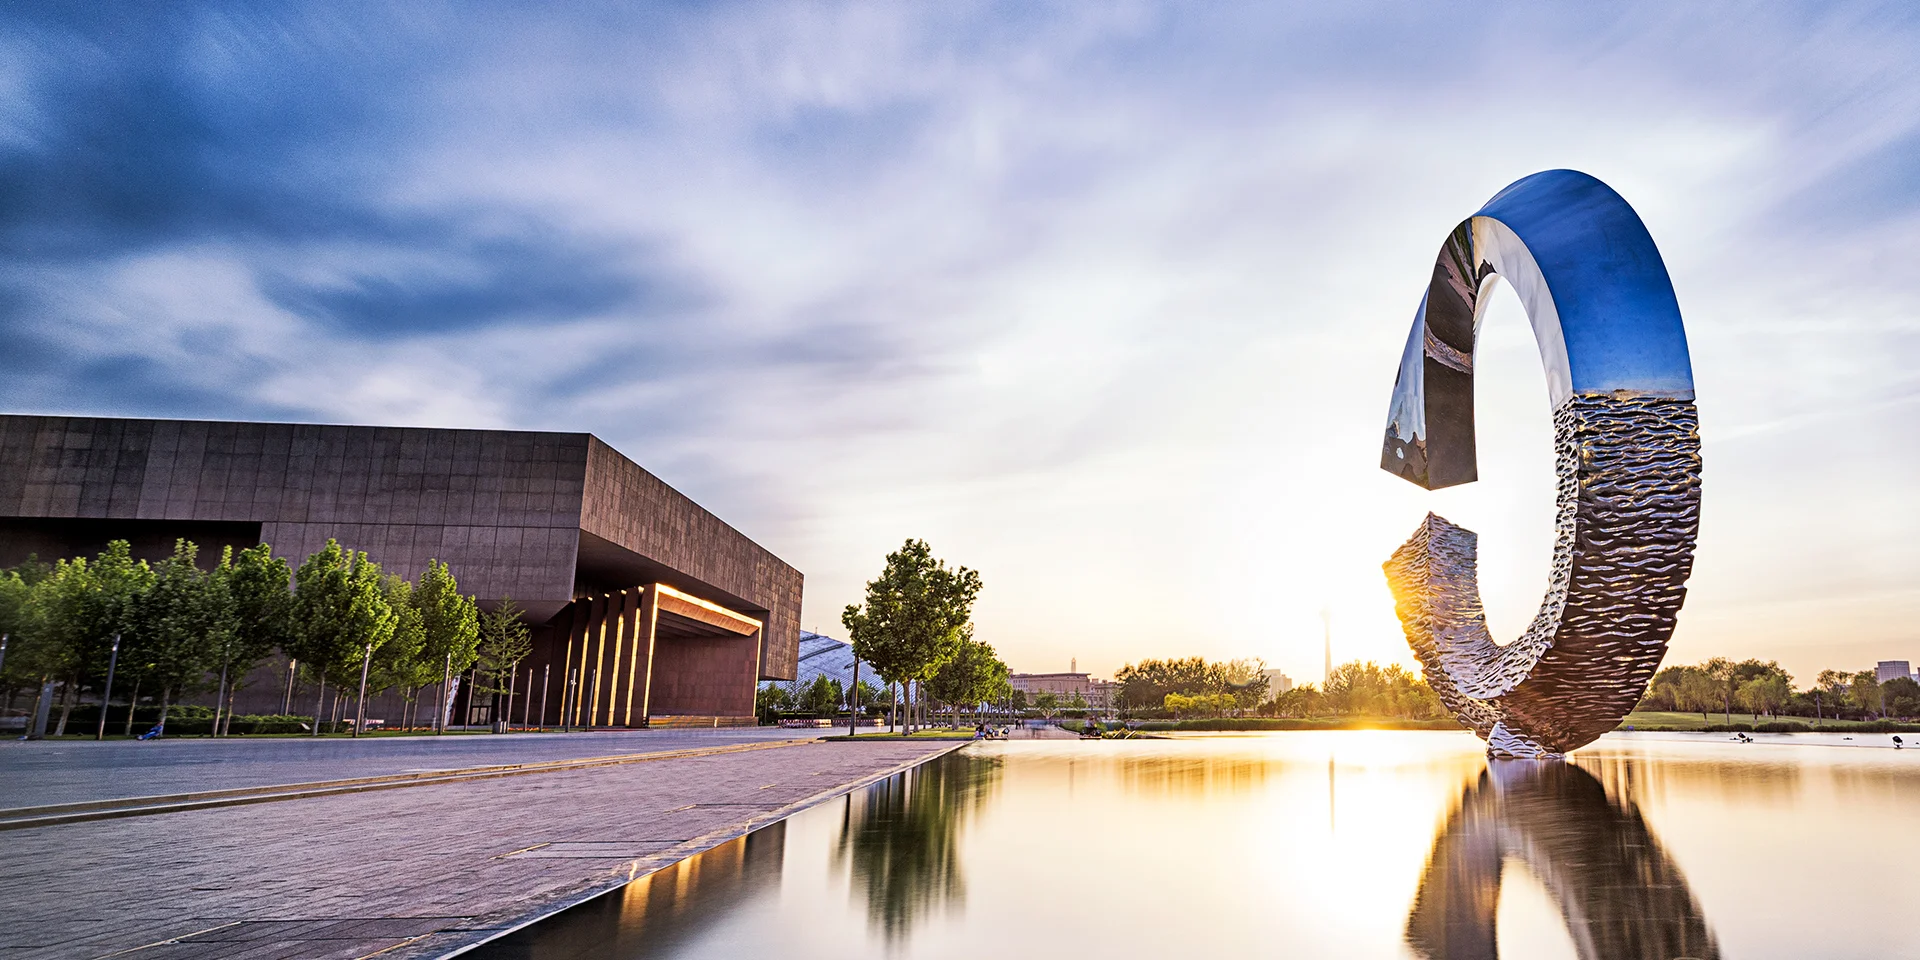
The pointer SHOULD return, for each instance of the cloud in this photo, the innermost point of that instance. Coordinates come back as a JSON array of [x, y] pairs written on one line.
[[1102, 299]]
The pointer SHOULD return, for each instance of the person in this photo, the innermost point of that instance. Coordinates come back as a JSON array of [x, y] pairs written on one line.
[[155, 733]]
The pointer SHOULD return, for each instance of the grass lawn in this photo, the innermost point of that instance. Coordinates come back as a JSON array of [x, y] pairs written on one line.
[[1673, 720], [937, 733]]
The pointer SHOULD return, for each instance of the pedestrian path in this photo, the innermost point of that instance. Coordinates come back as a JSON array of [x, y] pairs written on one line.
[[405, 873], [69, 771]]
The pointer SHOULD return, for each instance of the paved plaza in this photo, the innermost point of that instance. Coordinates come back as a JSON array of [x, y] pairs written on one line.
[[405, 873], [51, 772]]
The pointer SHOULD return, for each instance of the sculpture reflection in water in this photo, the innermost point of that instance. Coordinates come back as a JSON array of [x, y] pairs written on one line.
[[901, 838], [1627, 455], [1619, 893]]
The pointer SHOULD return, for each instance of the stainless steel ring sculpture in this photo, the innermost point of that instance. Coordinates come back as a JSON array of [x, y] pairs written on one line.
[[1627, 454]]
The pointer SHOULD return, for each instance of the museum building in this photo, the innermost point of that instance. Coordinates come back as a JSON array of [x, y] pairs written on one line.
[[647, 609]]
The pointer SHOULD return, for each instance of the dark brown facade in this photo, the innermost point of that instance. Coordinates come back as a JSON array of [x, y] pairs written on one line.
[[623, 572]]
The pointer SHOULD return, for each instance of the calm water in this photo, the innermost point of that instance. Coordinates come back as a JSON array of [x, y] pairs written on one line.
[[1348, 844]]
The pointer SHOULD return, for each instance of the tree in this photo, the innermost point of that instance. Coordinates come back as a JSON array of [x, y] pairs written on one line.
[[1901, 696], [1246, 680], [398, 662], [1864, 691], [340, 611], [1765, 693], [914, 616], [1303, 701], [251, 589], [1698, 690], [450, 627], [16, 600], [1148, 684], [1047, 702], [505, 640], [178, 629], [970, 676]]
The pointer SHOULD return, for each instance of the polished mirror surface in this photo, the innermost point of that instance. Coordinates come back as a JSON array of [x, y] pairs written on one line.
[[1348, 844]]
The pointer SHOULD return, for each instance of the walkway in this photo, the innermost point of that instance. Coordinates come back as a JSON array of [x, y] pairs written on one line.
[[71, 771], [406, 873]]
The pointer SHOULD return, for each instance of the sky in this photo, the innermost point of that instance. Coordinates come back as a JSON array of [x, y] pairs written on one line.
[[1102, 300]]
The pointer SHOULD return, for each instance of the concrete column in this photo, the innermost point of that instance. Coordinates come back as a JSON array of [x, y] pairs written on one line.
[[648, 622], [576, 660], [637, 654], [597, 637]]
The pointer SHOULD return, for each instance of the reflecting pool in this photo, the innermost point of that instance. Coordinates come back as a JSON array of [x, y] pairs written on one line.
[[1335, 844]]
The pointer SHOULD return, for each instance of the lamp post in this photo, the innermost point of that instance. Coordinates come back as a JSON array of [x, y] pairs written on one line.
[[446, 679], [360, 710], [106, 697], [286, 702], [546, 682]]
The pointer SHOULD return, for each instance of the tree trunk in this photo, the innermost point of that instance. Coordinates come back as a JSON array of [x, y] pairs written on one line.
[[166, 706], [42, 705], [219, 700], [133, 702], [233, 690], [319, 705], [67, 691]]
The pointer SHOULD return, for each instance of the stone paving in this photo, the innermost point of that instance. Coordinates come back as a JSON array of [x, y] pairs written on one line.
[[414, 872], [68, 771]]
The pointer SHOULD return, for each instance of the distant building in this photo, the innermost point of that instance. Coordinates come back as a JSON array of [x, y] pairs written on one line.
[[1066, 686], [1105, 692], [1893, 669], [1277, 682]]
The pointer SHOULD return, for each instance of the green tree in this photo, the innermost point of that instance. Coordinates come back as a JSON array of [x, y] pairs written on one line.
[[398, 662], [1766, 693], [340, 611], [179, 623], [1246, 680], [1047, 702], [914, 616], [1303, 701], [1148, 684], [450, 626], [78, 609], [252, 588], [972, 675], [505, 640], [1901, 696], [1863, 690]]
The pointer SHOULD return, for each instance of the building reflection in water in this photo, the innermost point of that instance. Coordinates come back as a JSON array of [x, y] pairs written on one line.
[[658, 914], [1619, 892], [900, 840]]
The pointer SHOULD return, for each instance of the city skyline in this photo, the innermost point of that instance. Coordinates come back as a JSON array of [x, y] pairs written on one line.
[[1104, 303]]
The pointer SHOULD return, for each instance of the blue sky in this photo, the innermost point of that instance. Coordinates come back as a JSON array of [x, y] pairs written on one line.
[[1104, 300]]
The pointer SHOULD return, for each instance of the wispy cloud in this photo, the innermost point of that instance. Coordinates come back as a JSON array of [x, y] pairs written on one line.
[[1104, 299]]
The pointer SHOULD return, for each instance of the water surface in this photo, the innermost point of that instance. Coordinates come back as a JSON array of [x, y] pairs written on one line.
[[1310, 844]]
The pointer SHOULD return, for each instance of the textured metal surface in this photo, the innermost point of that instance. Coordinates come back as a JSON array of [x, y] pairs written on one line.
[[1619, 892], [1627, 461]]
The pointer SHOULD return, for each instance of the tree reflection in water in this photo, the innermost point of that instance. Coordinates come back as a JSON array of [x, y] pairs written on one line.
[[1619, 893], [901, 836]]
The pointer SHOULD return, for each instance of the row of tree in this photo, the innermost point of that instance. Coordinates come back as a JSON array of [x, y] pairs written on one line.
[[1362, 688], [178, 629], [1148, 684], [1761, 688], [915, 630]]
